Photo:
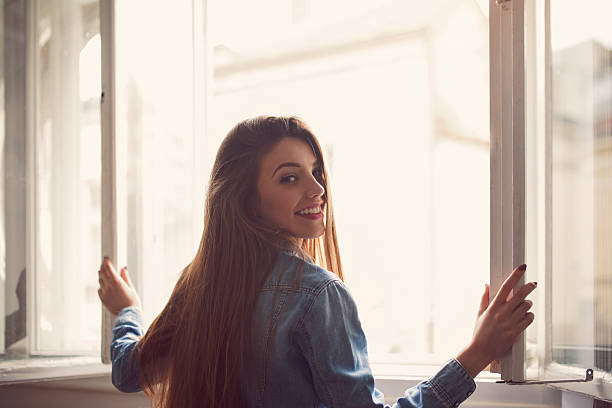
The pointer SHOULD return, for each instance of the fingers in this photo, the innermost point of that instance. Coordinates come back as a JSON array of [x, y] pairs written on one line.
[[125, 276], [521, 294], [109, 267], [508, 285], [484, 300], [525, 322], [103, 276], [521, 311], [107, 272]]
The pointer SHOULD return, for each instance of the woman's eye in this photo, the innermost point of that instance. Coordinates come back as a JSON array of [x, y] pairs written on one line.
[[289, 179]]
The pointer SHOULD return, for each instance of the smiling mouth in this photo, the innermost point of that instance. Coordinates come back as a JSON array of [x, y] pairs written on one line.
[[311, 210]]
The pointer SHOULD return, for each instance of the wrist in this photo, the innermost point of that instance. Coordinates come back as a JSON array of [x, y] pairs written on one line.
[[472, 360], [120, 309]]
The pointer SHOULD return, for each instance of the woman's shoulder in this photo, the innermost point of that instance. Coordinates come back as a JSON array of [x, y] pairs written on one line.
[[294, 270]]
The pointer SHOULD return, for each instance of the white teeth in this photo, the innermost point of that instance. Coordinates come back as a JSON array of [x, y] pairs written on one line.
[[313, 210]]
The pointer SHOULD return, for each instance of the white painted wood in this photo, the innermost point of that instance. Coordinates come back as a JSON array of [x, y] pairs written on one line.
[[516, 363], [547, 160], [507, 159], [31, 199], [573, 400], [98, 392], [109, 182], [48, 369], [600, 387], [2, 205]]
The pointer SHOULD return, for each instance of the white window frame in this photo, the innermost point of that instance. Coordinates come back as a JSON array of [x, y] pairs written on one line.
[[109, 165], [507, 87], [33, 367], [508, 25], [601, 386]]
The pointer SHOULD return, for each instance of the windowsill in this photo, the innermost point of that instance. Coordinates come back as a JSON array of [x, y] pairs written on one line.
[[51, 368], [89, 374], [57, 368], [394, 379], [419, 372], [487, 393], [600, 387]]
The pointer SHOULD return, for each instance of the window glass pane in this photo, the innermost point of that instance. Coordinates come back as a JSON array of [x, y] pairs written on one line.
[[13, 341], [67, 203], [398, 95], [156, 159], [581, 41]]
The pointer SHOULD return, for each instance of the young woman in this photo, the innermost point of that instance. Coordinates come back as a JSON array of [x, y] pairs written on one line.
[[254, 320]]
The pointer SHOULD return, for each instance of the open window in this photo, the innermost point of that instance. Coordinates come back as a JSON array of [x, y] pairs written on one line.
[[552, 143], [409, 93], [50, 138]]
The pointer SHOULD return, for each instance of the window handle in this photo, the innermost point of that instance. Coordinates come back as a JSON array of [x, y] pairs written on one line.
[[500, 2], [589, 377]]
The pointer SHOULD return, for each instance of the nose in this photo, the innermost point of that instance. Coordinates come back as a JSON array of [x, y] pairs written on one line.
[[315, 189]]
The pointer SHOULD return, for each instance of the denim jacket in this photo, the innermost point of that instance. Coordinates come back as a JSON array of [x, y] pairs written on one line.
[[309, 349]]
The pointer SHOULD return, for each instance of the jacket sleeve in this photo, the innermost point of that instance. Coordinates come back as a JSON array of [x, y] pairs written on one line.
[[334, 345], [126, 333]]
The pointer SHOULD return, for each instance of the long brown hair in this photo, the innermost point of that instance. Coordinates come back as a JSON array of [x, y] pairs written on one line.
[[193, 354]]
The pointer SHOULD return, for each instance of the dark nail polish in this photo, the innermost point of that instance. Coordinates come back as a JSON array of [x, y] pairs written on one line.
[[523, 267]]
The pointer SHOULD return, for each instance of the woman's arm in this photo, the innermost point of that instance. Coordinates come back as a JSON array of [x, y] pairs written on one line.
[[124, 353], [334, 345], [119, 296]]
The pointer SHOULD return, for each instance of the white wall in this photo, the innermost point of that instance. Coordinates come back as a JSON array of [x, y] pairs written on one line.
[[575, 400], [97, 392]]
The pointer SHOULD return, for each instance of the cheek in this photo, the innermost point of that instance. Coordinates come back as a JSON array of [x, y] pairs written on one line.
[[275, 206]]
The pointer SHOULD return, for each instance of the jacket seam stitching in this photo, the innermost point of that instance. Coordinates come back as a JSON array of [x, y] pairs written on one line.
[[319, 290], [289, 288], [316, 369], [282, 299]]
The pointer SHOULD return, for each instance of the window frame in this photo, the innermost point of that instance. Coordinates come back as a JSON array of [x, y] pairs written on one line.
[[38, 367], [109, 167], [31, 152], [527, 21], [506, 43], [601, 386]]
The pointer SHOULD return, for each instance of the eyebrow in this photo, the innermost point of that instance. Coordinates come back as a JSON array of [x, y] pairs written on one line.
[[293, 164]]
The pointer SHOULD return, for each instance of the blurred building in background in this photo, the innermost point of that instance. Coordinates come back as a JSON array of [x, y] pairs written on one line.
[[582, 198]]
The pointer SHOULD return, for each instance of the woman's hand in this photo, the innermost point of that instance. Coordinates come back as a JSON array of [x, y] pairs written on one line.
[[116, 291], [499, 324]]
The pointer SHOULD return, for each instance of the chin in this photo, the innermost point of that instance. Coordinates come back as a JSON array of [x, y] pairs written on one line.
[[313, 235]]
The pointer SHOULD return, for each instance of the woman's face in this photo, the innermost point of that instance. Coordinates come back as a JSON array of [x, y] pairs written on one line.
[[290, 190]]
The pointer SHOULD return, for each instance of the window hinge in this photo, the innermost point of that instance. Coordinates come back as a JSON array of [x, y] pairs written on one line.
[[589, 377]]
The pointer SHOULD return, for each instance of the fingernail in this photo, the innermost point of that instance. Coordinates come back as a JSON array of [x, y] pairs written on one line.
[[535, 283], [523, 267], [106, 257]]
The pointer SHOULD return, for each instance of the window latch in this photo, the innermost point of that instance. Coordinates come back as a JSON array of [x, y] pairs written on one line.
[[500, 2], [589, 377]]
